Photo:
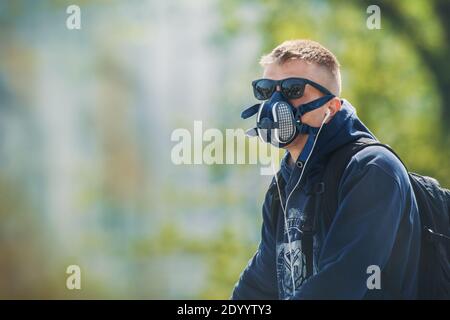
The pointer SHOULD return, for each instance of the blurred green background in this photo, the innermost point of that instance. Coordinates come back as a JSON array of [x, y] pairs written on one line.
[[86, 118]]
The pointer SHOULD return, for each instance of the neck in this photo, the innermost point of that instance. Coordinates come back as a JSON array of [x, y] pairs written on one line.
[[296, 147]]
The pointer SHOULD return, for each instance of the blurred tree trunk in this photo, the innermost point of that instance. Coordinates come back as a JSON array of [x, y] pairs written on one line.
[[437, 59]]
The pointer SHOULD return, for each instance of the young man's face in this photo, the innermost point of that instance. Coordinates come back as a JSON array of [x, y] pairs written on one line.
[[301, 69]]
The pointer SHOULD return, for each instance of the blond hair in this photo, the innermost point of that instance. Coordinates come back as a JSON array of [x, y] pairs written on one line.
[[308, 51]]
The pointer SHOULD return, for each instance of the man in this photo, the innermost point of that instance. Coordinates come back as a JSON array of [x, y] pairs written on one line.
[[376, 222]]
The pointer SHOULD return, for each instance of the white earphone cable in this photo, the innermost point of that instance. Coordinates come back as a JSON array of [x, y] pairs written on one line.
[[284, 207]]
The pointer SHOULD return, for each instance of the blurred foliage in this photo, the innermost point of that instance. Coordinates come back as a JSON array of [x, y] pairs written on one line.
[[104, 194]]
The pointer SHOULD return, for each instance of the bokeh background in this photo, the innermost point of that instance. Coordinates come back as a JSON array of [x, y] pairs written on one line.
[[86, 118]]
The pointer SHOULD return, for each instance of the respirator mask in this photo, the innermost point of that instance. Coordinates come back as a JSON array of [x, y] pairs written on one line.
[[277, 121]]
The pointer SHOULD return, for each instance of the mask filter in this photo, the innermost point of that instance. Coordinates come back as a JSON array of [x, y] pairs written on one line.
[[286, 128]]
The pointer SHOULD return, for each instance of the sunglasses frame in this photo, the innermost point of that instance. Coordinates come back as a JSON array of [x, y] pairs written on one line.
[[280, 83]]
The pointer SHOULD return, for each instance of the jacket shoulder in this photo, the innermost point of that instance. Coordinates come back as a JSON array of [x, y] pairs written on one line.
[[382, 159]]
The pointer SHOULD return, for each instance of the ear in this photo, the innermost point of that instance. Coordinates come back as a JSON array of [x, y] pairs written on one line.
[[334, 105]]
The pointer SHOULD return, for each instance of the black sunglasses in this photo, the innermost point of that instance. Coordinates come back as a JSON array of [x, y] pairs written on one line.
[[291, 88]]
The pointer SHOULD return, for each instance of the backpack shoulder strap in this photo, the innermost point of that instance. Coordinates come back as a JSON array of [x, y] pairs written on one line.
[[335, 168]]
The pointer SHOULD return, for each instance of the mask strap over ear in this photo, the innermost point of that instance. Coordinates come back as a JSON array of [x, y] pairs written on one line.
[[310, 106], [247, 113]]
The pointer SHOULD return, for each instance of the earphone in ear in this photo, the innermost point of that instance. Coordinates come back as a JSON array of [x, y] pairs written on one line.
[[327, 115]]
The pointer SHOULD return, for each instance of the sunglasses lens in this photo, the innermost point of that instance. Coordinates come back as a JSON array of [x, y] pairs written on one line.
[[263, 89], [293, 88]]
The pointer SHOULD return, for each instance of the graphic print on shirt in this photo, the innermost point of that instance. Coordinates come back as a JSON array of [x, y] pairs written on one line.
[[285, 259]]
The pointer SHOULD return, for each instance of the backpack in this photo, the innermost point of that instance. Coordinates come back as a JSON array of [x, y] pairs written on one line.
[[433, 203]]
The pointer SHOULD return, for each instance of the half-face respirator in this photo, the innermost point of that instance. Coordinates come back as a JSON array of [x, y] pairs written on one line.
[[277, 121]]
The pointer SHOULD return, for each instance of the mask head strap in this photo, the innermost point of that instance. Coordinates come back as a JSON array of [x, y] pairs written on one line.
[[310, 106]]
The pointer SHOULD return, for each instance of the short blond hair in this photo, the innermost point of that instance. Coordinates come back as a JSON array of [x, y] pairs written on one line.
[[308, 51]]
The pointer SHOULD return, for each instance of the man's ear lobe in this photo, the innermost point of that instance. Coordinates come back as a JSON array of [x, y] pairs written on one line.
[[335, 105]]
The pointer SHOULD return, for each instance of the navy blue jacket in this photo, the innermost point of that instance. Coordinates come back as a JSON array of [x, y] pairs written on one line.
[[376, 224]]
